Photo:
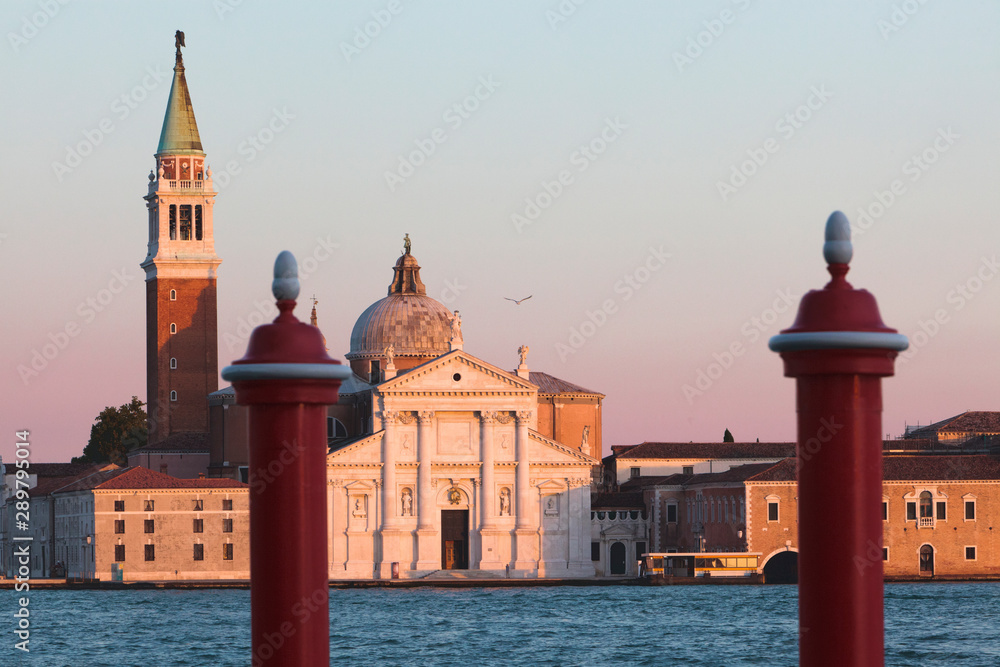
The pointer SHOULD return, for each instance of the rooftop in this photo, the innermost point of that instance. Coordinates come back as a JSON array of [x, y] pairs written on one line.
[[137, 477], [967, 422], [549, 384], [707, 450]]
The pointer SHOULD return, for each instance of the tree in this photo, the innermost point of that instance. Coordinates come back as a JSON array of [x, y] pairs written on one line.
[[115, 433], [728, 437]]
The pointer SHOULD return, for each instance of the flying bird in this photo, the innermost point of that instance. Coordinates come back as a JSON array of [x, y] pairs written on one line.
[[518, 302]]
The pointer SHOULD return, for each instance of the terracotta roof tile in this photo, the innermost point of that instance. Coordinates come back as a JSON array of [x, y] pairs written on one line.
[[549, 384], [734, 474], [941, 468], [967, 422], [713, 450], [137, 477]]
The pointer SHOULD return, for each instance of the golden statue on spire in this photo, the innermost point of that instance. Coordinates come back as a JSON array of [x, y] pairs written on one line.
[[406, 244]]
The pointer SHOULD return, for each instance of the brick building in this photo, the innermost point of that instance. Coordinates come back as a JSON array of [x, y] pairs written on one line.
[[938, 513], [151, 526]]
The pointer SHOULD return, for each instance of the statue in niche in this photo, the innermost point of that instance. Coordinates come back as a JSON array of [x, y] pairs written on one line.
[[406, 442], [550, 507], [504, 441], [407, 502], [505, 501], [586, 437], [359, 508]]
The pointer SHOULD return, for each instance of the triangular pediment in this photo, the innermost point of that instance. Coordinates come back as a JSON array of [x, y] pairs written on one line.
[[543, 449], [367, 449], [437, 376]]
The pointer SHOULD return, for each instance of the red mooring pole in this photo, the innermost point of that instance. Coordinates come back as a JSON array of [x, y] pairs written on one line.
[[287, 379], [838, 350]]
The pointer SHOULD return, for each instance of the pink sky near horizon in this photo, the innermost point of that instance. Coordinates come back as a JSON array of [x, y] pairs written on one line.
[[893, 101]]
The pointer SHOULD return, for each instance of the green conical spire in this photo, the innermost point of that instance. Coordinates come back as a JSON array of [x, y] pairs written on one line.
[[179, 135]]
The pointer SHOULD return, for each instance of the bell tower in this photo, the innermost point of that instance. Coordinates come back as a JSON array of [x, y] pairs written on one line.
[[181, 267]]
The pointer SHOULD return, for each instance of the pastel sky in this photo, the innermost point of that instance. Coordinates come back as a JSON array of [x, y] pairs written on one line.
[[701, 147]]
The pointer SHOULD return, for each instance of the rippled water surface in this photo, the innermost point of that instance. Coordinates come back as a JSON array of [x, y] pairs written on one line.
[[926, 624]]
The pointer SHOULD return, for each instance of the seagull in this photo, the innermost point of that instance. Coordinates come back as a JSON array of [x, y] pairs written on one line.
[[517, 302]]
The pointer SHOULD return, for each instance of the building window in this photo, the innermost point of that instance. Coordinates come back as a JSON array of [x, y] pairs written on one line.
[[199, 525], [970, 510], [173, 222], [119, 505], [173, 295], [671, 513], [147, 526], [970, 553], [173, 327], [335, 430], [197, 222], [173, 363], [688, 470], [173, 396], [925, 505], [595, 551], [227, 525], [911, 511], [885, 510], [119, 526], [227, 551], [150, 551], [199, 552], [942, 510], [199, 505], [885, 554], [119, 553], [148, 505], [227, 503], [772, 510], [634, 472]]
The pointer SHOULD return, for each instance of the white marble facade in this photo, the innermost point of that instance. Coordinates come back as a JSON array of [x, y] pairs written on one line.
[[454, 437]]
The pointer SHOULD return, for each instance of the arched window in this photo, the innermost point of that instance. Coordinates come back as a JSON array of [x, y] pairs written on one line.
[[173, 295], [173, 396], [173, 363], [926, 505], [335, 429], [173, 328]]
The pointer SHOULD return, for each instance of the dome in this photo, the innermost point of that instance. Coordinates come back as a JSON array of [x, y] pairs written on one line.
[[412, 322]]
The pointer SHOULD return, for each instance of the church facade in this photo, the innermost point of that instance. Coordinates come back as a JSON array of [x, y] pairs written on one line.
[[450, 471]]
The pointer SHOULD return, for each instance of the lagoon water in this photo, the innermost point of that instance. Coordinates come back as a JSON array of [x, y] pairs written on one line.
[[926, 624]]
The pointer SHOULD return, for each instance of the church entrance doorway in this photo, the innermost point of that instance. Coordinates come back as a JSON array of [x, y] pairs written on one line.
[[617, 558], [454, 539]]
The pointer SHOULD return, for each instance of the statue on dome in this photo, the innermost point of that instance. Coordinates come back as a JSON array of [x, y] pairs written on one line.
[[406, 244], [390, 352], [523, 352]]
